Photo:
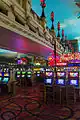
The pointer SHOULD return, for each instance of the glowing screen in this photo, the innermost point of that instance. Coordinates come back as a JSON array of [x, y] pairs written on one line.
[[48, 81], [23, 72], [73, 74], [49, 73], [0, 74], [18, 75], [6, 74], [5, 80], [18, 72], [0, 78], [38, 74], [73, 82], [29, 76], [61, 74], [60, 81], [28, 72], [23, 75]]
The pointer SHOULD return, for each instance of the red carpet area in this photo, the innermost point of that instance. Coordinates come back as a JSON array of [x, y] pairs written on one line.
[[27, 105]]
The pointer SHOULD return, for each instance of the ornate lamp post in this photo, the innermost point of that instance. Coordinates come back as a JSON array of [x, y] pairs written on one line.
[[43, 5], [62, 33], [58, 27], [54, 44], [52, 19]]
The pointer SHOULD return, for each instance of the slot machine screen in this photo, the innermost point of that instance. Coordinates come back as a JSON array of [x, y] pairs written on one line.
[[18, 72], [73, 74], [0, 74], [28, 72], [6, 74], [28, 76], [38, 74], [0, 79], [48, 81], [74, 82], [60, 82], [18, 76], [5, 80], [23, 73], [49, 74], [60, 74]]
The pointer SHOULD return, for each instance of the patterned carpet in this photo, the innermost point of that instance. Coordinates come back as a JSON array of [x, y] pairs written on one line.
[[26, 105]]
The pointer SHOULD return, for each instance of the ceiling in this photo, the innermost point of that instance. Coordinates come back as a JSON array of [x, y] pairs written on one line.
[[65, 11]]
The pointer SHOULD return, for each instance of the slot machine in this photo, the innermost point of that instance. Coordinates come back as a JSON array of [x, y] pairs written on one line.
[[29, 75], [5, 79], [18, 75], [73, 78], [23, 74], [23, 78], [48, 78], [38, 73], [48, 89], [6, 76], [61, 78]]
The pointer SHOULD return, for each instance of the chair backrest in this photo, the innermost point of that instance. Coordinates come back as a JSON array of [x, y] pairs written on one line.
[[70, 94]]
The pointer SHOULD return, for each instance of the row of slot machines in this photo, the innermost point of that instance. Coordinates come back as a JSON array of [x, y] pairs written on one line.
[[19, 74], [4, 77], [73, 78]]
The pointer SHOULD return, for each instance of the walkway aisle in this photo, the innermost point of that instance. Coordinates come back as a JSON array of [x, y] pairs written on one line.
[[26, 105]]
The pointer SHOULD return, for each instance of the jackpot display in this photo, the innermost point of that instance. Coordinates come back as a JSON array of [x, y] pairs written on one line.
[[73, 78], [61, 77]]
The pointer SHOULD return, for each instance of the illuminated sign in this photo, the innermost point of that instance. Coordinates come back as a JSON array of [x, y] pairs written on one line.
[[61, 64]]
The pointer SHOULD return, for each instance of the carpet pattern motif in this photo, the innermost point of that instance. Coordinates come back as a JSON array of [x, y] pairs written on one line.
[[26, 105]]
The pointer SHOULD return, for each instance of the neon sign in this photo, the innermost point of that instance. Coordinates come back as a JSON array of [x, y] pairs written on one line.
[[61, 64]]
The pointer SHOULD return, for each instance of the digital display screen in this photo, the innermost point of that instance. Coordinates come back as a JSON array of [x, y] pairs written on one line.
[[61, 74], [0, 79], [73, 82], [73, 74], [18, 76], [0, 74], [48, 81], [5, 80], [23, 75], [38, 74], [28, 72], [6, 74], [49, 73], [18, 72], [23, 72], [60, 81], [29, 76]]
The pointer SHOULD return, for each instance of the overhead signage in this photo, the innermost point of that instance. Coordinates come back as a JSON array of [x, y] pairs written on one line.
[[61, 64], [73, 64]]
